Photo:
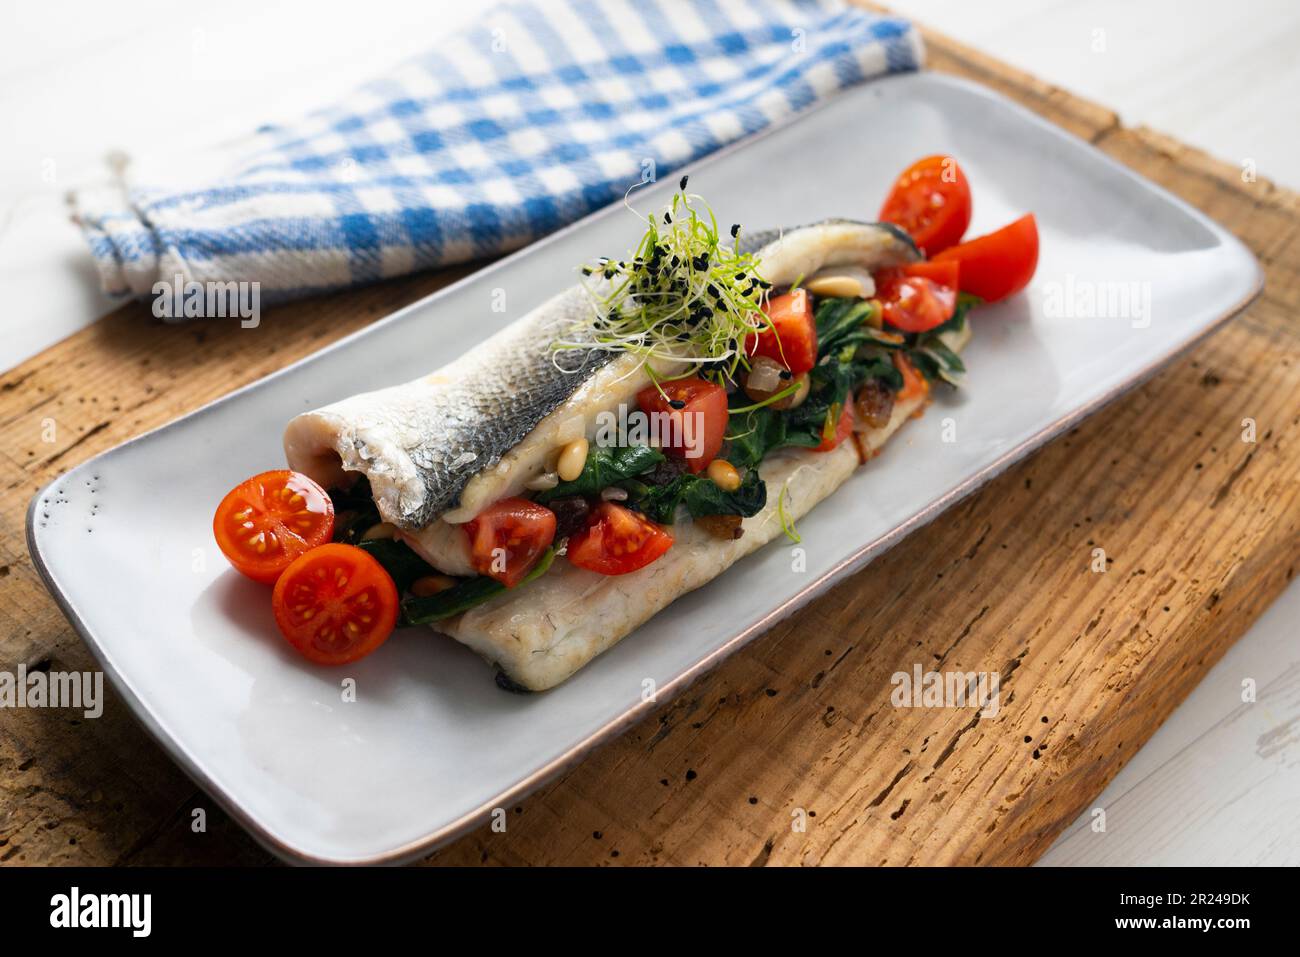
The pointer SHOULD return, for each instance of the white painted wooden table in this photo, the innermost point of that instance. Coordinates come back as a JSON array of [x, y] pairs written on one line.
[[1219, 783]]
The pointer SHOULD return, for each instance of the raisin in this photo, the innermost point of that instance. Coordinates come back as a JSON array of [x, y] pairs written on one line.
[[665, 472], [875, 404], [570, 515], [721, 526]]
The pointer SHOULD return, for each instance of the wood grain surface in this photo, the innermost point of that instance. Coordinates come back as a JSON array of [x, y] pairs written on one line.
[[789, 753]]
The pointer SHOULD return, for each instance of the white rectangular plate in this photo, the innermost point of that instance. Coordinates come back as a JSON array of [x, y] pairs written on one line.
[[431, 745]]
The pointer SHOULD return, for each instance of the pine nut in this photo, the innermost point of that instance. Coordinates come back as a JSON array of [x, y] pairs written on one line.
[[838, 287], [801, 393], [876, 318], [572, 460], [724, 475], [431, 585], [381, 530]]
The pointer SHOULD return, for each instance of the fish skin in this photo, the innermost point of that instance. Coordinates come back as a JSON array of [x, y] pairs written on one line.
[[790, 254], [421, 443], [757, 241]]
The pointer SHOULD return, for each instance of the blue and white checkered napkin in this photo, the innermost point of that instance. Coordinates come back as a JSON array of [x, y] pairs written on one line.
[[545, 111]]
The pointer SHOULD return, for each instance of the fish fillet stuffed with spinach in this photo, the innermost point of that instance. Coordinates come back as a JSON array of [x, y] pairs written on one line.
[[521, 516]]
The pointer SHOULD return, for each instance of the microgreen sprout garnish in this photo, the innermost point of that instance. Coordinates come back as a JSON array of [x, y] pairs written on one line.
[[787, 525], [685, 294], [777, 397]]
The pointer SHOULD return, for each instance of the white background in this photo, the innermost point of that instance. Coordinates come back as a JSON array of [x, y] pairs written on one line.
[[1220, 782]]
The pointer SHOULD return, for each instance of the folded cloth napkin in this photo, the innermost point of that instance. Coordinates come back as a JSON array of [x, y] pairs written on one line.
[[545, 111]]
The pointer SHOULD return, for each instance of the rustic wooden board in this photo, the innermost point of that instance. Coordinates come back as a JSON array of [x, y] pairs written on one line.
[[1203, 530]]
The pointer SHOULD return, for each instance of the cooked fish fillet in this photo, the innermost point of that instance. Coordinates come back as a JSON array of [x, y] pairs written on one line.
[[421, 443], [440, 449], [451, 443], [541, 634], [442, 545]]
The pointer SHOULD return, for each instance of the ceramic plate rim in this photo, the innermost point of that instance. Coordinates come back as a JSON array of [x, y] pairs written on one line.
[[192, 764]]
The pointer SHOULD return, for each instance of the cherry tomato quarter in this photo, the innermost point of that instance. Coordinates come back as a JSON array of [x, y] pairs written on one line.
[[919, 297], [508, 537], [843, 429], [617, 540], [693, 411], [1000, 264], [791, 339]]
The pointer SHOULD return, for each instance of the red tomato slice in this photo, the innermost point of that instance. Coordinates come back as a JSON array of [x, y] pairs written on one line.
[[508, 537], [335, 604], [944, 273], [695, 418], [1000, 264], [914, 384], [843, 429], [265, 522], [918, 297], [792, 338], [931, 201], [617, 540]]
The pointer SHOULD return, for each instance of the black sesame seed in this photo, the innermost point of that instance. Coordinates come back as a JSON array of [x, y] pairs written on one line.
[[735, 230], [677, 404], [682, 184]]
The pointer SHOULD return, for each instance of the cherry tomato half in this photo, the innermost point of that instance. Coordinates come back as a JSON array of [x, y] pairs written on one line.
[[694, 417], [267, 521], [843, 429], [335, 604], [617, 540], [792, 338], [508, 537], [931, 201], [918, 297], [1000, 264]]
